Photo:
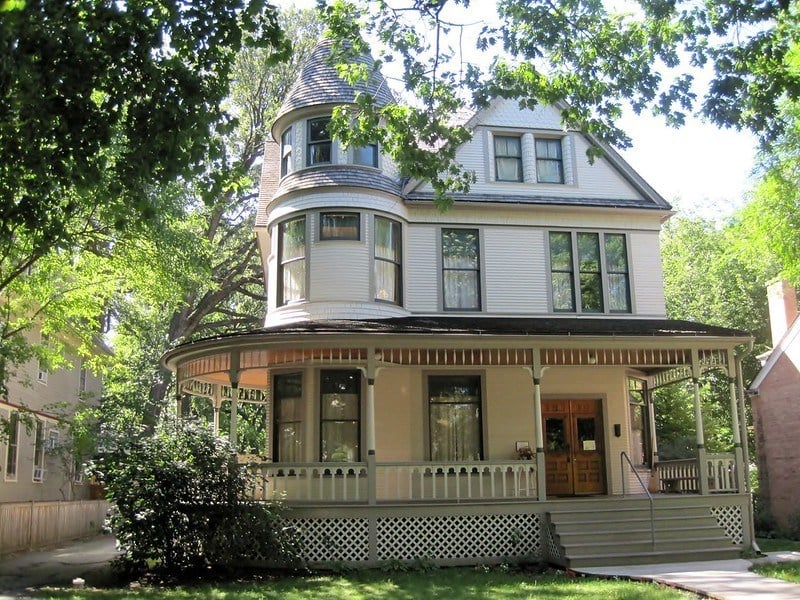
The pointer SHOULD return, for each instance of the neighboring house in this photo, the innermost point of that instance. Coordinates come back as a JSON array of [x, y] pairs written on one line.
[[34, 466], [775, 397], [472, 385]]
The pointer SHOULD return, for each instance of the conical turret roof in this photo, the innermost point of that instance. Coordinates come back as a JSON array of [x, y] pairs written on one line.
[[319, 84]]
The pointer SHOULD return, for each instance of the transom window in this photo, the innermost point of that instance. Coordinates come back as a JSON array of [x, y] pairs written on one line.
[[461, 269], [286, 152], [454, 411], [388, 260], [366, 155], [340, 416], [319, 142], [549, 161], [339, 226], [508, 158], [292, 260], [589, 272], [288, 389]]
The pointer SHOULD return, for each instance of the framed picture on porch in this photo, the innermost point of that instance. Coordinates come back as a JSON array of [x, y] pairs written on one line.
[[521, 445]]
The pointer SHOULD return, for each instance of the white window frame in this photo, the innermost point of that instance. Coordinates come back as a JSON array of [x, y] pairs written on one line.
[[374, 155], [481, 405], [478, 270], [39, 446], [383, 260], [497, 156], [310, 144], [559, 142], [281, 294], [287, 146]]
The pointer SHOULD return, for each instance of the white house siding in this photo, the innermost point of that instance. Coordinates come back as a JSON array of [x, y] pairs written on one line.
[[515, 270], [340, 270], [647, 274], [422, 287]]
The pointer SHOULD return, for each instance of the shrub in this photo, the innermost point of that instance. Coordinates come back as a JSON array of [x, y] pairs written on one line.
[[180, 503]]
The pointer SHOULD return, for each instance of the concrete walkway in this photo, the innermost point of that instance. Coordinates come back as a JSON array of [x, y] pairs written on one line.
[[89, 559], [719, 579]]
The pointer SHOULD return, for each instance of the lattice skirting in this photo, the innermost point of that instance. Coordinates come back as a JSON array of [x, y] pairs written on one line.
[[444, 539], [730, 518]]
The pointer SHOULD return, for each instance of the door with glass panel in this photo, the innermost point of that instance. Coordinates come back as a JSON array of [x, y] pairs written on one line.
[[573, 446]]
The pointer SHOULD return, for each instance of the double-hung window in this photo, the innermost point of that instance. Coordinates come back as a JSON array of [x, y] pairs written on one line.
[[292, 260], [454, 413], [589, 272], [38, 453], [508, 158], [42, 369], [12, 446], [288, 389], [388, 261], [366, 155], [319, 142], [461, 269], [549, 161], [286, 152], [340, 416]]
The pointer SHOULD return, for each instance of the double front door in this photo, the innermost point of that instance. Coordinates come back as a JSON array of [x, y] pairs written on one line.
[[574, 455]]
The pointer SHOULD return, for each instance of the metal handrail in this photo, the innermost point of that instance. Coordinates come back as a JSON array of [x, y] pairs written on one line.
[[624, 455]]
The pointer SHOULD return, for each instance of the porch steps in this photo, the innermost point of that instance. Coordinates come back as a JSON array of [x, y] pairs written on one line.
[[608, 535]]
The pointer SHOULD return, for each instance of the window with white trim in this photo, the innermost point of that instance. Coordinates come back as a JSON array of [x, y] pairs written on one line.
[[286, 151], [589, 272], [549, 161], [12, 446], [455, 417], [388, 260], [319, 142], [291, 260], [508, 158], [38, 453], [41, 369], [461, 273]]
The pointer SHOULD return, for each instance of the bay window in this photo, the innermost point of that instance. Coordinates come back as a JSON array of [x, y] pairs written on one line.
[[461, 269], [589, 272], [291, 260], [340, 416], [454, 413], [388, 261]]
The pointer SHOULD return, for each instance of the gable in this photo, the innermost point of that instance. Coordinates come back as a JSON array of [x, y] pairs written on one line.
[[548, 164], [788, 347]]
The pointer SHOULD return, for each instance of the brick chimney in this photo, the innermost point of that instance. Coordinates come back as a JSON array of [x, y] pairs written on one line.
[[782, 309]]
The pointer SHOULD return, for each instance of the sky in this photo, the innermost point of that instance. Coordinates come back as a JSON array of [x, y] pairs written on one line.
[[700, 169]]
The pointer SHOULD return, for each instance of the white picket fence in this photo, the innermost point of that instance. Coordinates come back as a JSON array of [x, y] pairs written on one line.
[[30, 525]]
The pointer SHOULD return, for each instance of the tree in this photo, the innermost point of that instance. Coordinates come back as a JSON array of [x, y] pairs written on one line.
[[100, 101], [197, 273], [574, 54]]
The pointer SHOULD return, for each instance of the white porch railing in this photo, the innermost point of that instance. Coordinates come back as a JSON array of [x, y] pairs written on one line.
[[395, 482], [682, 475]]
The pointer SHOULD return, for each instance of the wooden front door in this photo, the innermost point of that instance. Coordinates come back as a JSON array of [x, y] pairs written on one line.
[[573, 449]]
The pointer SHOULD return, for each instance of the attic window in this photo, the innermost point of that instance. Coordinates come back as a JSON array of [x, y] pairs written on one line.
[[319, 142], [508, 158], [549, 161]]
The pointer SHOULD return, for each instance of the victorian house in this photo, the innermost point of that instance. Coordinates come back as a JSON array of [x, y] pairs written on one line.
[[472, 385]]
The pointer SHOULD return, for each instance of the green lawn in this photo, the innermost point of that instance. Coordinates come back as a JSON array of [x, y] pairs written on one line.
[[458, 584], [777, 544], [788, 571]]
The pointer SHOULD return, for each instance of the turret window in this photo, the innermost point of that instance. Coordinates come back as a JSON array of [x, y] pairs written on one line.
[[388, 261], [366, 155], [319, 142], [292, 260], [339, 226], [286, 152]]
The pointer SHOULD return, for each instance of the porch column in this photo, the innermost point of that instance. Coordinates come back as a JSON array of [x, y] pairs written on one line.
[[541, 485], [216, 402], [234, 379], [698, 421], [370, 418], [651, 418], [737, 437]]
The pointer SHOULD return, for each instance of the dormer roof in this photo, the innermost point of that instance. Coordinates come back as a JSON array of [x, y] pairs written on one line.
[[319, 85]]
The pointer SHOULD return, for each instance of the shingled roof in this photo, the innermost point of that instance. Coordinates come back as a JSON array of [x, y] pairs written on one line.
[[318, 83]]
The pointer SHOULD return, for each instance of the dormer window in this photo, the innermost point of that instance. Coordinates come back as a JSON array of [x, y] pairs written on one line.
[[286, 152], [508, 158], [549, 161], [366, 155], [319, 142]]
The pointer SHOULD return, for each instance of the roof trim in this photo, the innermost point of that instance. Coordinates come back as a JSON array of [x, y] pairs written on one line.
[[789, 338]]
